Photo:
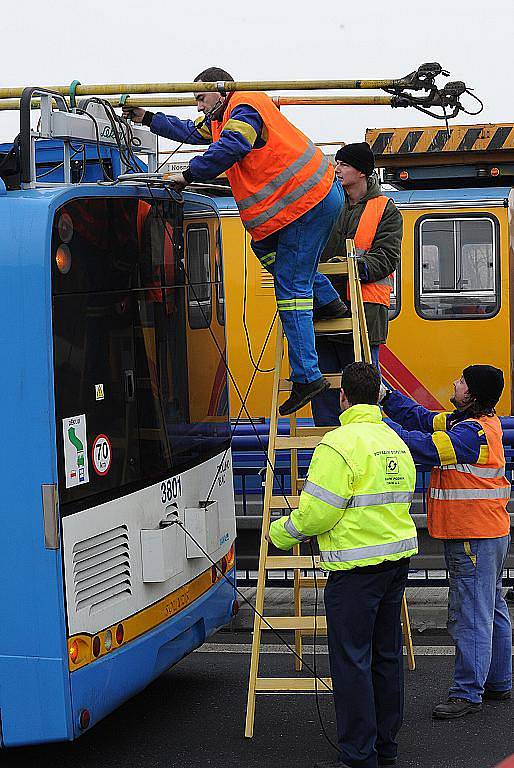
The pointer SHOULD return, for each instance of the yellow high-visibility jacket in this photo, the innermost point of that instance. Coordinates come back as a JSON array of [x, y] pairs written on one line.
[[357, 495]]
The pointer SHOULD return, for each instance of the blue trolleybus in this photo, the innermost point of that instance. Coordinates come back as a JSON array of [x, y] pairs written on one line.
[[114, 422]]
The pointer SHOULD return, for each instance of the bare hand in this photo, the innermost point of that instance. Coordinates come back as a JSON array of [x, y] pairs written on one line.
[[176, 180], [135, 114]]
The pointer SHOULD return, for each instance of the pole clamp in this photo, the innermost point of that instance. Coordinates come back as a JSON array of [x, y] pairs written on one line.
[[123, 99], [73, 93]]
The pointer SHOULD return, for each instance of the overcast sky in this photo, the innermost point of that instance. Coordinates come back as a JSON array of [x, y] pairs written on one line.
[[159, 41]]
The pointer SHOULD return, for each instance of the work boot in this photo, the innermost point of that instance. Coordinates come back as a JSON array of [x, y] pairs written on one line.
[[331, 311], [455, 707], [496, 695], [301, 394], [383, 761]]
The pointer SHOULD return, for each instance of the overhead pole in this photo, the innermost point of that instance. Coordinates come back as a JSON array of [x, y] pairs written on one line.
[[115, 89], [184, 101]]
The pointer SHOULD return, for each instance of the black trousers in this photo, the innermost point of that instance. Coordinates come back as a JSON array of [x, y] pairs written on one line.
[[363, 608]]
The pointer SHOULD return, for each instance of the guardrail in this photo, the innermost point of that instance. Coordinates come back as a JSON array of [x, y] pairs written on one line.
[[428, 567]]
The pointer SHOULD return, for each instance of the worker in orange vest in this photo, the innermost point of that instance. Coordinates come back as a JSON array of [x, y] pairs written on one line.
[[467, 508], [288, 200], [374, 222]]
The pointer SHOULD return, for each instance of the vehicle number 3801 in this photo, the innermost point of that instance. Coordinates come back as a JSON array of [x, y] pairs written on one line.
[[171, 489]]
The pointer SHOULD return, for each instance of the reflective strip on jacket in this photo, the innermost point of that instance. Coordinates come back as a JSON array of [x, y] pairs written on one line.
[[357, 496], [276, 184], [469, 501], [378, 292]]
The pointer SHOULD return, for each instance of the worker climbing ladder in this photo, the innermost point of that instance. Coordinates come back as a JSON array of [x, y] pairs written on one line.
[[302, 438]]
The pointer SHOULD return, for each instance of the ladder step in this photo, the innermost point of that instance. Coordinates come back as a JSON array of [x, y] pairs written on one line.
[[334, 379], [283, 562], [284, 502], [293, 684], [313, 431], [333, 268], [286, 442], [338, 325], [294, 622], [308, 582]]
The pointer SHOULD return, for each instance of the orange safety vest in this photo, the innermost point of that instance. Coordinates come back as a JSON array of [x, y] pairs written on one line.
[[469, 501], [379, 292], [279, 182]]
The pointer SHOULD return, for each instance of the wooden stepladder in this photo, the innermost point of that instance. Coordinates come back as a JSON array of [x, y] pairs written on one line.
[[302, 438]]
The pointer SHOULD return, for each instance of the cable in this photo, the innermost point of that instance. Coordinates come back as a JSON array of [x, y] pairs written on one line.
[[179, 522], [275, 477]]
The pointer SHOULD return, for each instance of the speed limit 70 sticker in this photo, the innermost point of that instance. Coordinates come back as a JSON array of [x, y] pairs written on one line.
[[101, 453]]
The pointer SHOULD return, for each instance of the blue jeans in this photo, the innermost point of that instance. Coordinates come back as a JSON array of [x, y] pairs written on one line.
[[292, 255], [365, 652], [333, 356], [478, 617]]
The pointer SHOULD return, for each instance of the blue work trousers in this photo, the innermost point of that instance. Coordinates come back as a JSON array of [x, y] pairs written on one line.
[[363, 608], [333, 356], [478, 617], [292, 255]]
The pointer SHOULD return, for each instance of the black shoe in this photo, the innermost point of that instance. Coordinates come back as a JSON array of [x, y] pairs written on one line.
[[301, 394], [496, 695], [455, 707], [383, 761], [330, 311]]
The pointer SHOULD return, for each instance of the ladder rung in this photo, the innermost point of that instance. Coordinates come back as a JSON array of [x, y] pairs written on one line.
[[284, 502], [333, 326], [294, 622], [313, 431], [286, 442], [333, 268], [283, 562], [308, 581], [293, 684]]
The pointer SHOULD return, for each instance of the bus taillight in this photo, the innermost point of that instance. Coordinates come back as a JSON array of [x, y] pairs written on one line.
[[63, 259], [84, 719], [74, 651], [96, 646], [120, 632]]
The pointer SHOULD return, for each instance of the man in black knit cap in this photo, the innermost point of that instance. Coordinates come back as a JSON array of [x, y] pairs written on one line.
[[375, 224], [467, 508]]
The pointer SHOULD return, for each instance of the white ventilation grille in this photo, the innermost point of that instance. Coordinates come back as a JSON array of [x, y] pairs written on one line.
[[267, 280], [101, 570]]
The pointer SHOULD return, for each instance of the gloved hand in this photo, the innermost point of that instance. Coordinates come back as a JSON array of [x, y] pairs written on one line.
[[363, 270]]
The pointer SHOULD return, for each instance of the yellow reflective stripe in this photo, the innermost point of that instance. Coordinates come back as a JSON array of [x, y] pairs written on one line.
[[439, 421], [203, 130], [483, 456], [245, 129], [480, 432], [444, 447], [469, 553], [269, 258], [295, 304]]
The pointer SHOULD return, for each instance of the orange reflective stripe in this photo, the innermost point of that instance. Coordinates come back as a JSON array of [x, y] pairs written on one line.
[[380, 291], [276, 184]]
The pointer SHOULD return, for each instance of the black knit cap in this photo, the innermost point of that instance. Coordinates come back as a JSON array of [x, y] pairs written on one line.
[[358, 155], [485, 382]]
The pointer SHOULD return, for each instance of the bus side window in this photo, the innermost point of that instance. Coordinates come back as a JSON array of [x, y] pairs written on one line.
[[395, 300], [199, 288], [457, 267]]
